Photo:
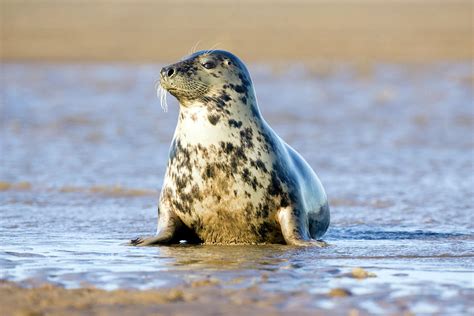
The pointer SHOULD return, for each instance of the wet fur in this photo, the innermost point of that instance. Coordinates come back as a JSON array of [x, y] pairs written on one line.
[[230, 179]]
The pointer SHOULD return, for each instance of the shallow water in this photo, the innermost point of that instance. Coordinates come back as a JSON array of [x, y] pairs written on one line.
[[84, 149]]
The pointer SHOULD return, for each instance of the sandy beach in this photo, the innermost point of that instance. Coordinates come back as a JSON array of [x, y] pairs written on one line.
[[362, 31], [203, 298]]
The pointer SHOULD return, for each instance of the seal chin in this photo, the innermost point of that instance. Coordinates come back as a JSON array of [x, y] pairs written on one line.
[[183, 97], [172, 91], [167, 86]]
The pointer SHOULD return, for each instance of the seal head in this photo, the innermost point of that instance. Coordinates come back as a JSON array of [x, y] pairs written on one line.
[[204, 76]]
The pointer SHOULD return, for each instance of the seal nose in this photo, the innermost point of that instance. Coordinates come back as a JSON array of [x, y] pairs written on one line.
[[168, 72]]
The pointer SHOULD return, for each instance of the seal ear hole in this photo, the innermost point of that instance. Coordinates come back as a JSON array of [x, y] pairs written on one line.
[[228, 62]]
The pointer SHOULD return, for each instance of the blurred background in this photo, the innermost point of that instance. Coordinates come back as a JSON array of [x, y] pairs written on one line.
[[145, 30], [377, 96]]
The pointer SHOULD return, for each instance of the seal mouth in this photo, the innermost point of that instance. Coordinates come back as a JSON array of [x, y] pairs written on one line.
[[184, 90], [167, 85]]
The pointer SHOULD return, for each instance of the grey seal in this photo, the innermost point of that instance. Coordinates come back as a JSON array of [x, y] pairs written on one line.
[[230, 178]]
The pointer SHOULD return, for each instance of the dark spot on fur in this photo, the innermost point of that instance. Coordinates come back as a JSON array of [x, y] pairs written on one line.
[[208, 172], [263, 210], [225, 96], [261, 165], [246, 175], [246, 137], [196, 193], [248, 209], [234, 123], [240, 154], [255, 183], [180, 183], [244, 80], [240, 89], [229, 147], [285, 200], [269, 142], [213, 119], [274, 188], [220, 103], [265, 229]]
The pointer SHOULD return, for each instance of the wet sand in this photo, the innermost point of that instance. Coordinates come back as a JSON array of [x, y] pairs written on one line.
[[202, 298], [366, 30]]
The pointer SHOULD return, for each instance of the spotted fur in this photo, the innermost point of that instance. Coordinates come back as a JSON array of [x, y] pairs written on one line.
[[230, 179]]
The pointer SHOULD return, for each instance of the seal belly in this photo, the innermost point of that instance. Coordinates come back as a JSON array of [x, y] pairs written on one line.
[[222, 206], [224, 226]]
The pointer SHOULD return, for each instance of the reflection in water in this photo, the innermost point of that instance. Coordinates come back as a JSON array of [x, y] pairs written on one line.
[[84, 148], [264, 257]]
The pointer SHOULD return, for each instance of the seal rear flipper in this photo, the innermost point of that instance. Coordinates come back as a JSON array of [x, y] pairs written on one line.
[[295, 230]]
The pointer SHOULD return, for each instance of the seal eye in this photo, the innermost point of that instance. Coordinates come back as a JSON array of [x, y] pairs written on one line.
[[209, 65]]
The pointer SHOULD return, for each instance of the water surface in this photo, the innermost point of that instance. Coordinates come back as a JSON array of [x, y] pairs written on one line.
[[84, 149]]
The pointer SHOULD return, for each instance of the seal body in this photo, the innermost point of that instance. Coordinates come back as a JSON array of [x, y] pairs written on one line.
[[230, 178]]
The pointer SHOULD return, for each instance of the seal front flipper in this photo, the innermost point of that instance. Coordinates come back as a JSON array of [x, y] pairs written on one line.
[[151, 240], [168, 227], [295, 229]]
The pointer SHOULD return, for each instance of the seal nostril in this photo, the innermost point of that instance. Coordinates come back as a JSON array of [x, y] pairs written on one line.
[[170, 72]]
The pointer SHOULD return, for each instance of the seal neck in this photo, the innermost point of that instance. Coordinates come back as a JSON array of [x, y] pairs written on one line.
[[207, 122]]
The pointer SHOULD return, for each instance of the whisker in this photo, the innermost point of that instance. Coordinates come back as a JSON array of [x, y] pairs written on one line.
[[212, 49], [157, 84], [161, 94], [165, 101], [164, 95], [194, 48]]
